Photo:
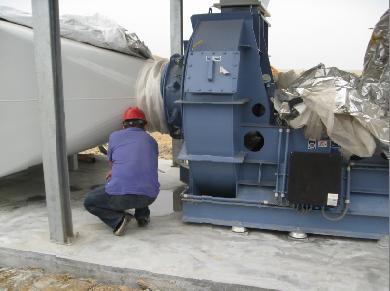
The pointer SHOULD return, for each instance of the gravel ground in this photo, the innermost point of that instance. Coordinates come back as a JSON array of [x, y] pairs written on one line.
[[164, 145], [34, 279]]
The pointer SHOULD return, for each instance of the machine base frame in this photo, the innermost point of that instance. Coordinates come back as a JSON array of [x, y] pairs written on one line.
[[284, 219]]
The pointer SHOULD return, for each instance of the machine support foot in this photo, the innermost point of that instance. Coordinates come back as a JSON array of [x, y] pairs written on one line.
[[239, 229], [73, 162], [384, 242], [297, 235]]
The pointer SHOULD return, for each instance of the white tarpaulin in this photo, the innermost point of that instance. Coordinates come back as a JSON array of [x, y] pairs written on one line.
[[149, 97], [96, 30]]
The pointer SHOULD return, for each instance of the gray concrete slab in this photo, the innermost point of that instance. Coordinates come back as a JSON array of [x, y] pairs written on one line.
[[170, 248]]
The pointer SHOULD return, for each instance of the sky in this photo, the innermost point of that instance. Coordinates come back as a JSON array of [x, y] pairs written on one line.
[[303, 33]]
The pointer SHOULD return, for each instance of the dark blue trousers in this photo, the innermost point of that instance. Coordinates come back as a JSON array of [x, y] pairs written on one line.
[[111, 208]]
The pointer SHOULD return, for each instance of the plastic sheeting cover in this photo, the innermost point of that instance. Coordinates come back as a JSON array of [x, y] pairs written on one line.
[[96, 30], [352, 111]]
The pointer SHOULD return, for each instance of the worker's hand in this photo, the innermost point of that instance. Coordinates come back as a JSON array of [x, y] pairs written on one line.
[[108, 175]]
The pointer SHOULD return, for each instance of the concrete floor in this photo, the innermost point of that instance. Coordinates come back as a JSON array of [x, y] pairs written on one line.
[[169, 247]]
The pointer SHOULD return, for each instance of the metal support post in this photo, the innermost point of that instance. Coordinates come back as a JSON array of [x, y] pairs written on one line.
[[176, 8], [73, 162], [389, 174], [49, 77]]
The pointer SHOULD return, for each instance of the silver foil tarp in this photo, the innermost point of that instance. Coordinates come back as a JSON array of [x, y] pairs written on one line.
[[95, 29], [351, 110]]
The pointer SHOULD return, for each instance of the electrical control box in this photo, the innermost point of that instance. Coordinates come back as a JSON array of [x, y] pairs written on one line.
[[314, 179]]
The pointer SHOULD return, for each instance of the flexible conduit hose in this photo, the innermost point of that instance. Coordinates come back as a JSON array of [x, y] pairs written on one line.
[[346, 201]]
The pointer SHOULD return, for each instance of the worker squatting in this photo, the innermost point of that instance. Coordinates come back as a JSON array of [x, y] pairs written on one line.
[[132, 182]]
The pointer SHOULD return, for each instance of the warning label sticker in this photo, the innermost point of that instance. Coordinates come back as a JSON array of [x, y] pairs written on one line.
[[311, 144], [322, 143], [333, 199]]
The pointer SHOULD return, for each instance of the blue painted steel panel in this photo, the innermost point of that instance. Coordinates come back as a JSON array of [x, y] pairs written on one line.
[[228, 32], [213, 178], [268, 152], [238, 155], [218, 139], [212, 72]]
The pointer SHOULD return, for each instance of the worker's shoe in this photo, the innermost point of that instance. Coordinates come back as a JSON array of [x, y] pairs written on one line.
[[121, 228], [142, 222]]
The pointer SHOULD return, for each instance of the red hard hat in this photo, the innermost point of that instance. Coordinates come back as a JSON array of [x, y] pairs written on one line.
[[134, 113]]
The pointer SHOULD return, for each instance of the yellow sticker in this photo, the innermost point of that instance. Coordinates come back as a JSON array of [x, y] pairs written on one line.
[[198, 43]]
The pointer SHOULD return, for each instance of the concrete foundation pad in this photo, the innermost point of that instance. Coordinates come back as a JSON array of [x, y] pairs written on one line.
[[196, 255]]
